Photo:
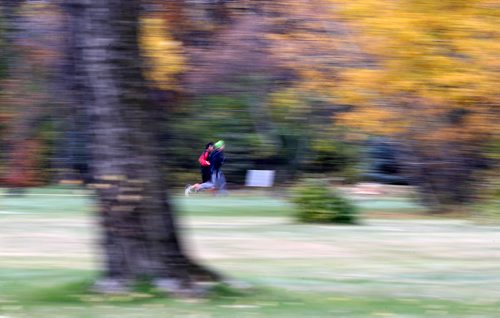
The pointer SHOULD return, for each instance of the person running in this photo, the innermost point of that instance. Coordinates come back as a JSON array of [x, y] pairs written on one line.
[[204, 160], [217, 180]]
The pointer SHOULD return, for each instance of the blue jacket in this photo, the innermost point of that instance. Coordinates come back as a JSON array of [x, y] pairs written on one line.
[[216, 160]]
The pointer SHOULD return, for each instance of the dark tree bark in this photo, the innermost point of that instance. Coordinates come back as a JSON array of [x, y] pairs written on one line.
[[140, 231]]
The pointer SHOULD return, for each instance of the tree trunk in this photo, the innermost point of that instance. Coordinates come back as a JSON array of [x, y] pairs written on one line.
[[140, 232]]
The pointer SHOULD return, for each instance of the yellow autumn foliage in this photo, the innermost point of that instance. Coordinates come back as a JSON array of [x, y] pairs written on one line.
[[164, 56], [437, 56]]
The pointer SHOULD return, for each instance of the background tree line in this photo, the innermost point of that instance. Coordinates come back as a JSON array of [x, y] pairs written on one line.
[[302, 87]]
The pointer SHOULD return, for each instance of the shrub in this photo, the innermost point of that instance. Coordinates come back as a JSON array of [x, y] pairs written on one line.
[[316, 202], [488, 204]]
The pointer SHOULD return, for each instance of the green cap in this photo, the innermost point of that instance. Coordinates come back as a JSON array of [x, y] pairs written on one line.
[[219, 144]]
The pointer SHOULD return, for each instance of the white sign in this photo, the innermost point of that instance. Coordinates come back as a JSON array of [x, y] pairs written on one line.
[[259, 178]]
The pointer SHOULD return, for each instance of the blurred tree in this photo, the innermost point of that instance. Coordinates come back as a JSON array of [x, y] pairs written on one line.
[[27, 54], [237, 75], [314, 45], [278, 78], [433, 87], [227, 78], [126, 162]]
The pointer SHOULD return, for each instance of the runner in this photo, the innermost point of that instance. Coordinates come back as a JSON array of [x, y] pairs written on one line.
[[218, 180]]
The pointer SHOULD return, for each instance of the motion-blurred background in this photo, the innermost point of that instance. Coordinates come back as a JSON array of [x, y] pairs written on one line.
[[386, 107], [399, 92]]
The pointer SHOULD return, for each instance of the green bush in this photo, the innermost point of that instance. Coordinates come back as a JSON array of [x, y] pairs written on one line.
[[317, 203], [488, 205]]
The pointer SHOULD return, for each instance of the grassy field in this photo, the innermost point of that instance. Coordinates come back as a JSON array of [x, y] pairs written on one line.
[[385, 267]]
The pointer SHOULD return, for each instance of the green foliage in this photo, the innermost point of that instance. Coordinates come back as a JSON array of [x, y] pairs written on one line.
[[328, 153], [489, 205], [290, 147], [316, 202], [209, 119]]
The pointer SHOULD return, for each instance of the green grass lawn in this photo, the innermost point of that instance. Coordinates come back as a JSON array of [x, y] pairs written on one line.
[[63, 293], [382, 268]]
